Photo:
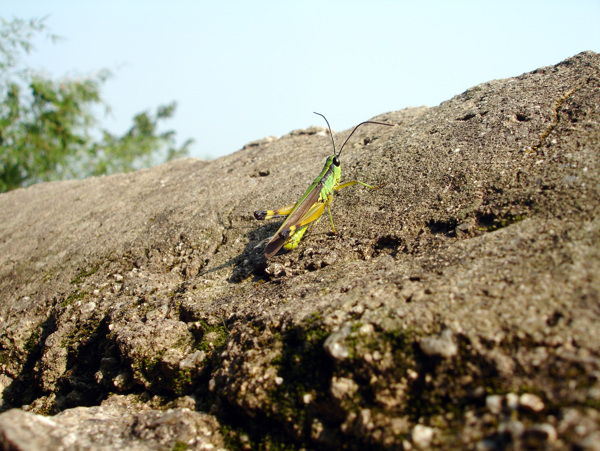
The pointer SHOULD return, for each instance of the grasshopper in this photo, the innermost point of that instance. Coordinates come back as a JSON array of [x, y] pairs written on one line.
[[309, 209]]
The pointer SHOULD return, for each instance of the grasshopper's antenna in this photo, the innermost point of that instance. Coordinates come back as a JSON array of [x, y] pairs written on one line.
[[362, 123], [329, 127]]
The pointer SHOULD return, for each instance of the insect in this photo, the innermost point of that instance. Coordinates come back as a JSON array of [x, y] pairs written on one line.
[[309, 209]]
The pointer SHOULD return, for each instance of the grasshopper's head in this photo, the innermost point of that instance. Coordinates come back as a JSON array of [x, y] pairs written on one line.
[[336, 157], [332, 160]]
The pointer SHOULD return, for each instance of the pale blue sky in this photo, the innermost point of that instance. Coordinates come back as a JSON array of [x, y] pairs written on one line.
[[243, 70]]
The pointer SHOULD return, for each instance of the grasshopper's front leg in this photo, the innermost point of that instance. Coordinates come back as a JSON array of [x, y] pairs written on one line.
[[354, 182], [339, 187]]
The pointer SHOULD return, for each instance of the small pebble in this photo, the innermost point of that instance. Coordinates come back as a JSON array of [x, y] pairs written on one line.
[[532, 402], [422, 436], [494, 404], [443, 346], [512, 401], [334, 344]]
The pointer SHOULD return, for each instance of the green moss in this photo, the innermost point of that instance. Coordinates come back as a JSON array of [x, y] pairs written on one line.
[[74, 297], [504, 222], [180, 446], [79, 334], [400, 342], [155, 374], [150, 366], [162, 376], [32, 341], [240, 439], [209, 337], [305, 368], [181, 382], [84, 274], [313, 319], [354, 341], [510, 219], [4, 357]]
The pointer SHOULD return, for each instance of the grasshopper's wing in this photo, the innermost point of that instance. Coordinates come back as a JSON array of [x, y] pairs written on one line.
[[292, 221], [314, 213]]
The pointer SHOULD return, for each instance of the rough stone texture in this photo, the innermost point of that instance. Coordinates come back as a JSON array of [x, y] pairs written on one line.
[[119, 423], [457, 307]]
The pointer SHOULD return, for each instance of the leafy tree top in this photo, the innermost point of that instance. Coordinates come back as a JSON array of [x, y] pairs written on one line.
[[48, 128]]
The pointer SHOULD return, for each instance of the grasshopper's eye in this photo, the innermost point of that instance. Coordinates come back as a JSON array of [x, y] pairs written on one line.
[[336, 161]]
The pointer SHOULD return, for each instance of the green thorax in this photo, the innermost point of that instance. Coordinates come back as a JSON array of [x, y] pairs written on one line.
[[329, 179]]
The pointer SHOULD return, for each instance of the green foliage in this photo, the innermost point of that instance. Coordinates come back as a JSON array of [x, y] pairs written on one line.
[[48, 130], [16, 36]]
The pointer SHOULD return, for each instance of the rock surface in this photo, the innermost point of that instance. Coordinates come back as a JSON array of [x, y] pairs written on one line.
[[457, 307], [119, 423]]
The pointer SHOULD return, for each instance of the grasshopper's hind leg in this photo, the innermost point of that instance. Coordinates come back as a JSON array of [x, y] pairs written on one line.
[[268, 214], [315, 212]]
